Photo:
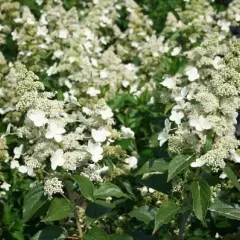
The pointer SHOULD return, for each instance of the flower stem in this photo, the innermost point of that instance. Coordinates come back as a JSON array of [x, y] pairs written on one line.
[[80, 232]]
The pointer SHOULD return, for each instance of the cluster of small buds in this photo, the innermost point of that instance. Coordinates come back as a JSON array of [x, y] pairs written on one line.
[[53, 186], [215, 192]]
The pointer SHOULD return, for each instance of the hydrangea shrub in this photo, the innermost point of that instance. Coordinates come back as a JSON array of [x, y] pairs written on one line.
[[119, 119]]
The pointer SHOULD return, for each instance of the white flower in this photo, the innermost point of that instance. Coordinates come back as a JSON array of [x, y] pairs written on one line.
[[192, 73], [38, 117], [125, 83], [151, 101], [237, 17], [106, 113], [100, 135], [88, 45], [197, 163], [52, 70], [200, 123], [235, 156], [55, 132], [135, 44], [94, 62], [58, 53], [164, 135], [193, 39], [63, 33], [224, 25], [30, 21], [216, 61], [131, 67], [169, 82], [164, 49], [176, 51], [23, 169], [42, 31], [93, 91], [6, 186], [176, 115], [18, 152], [57, 159], [102, 170], [223, 175], [104, 74], [127, 132], [15, 35], [144, 191], [151, 190], [18, 20], [14, 164], [132, 162], [39, 2], [86, 111], [182, 95], [70, 98], [88, 34], [95, 150]]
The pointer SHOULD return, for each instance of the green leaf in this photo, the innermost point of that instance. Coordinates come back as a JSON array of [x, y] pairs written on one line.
[[59, 209], [177, 165], [86, 186], [208, 144], [96, 234], [231, 175], [159, 165], [165, 213], [50, 233], [128, 188], [142, 214], [96, 210], [201, 194], [229, 211], [109, 190], [116, 236], [33, 201], [153, 142], [168, 107]]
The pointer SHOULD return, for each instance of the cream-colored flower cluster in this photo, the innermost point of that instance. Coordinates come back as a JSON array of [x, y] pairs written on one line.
[[192, 25], [206, 100], [75, 51], [84, 55], [59, 136]]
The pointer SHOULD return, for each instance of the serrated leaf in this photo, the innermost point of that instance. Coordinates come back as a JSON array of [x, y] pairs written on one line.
[[229, 211], [142, 214], [50, 233], [177, 165], [201, 194], [58, 209], [116, 236], [109, 190], [231, 175], [159, 165], [165, 213], [85, 185], [33, 201], [96, 234]]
